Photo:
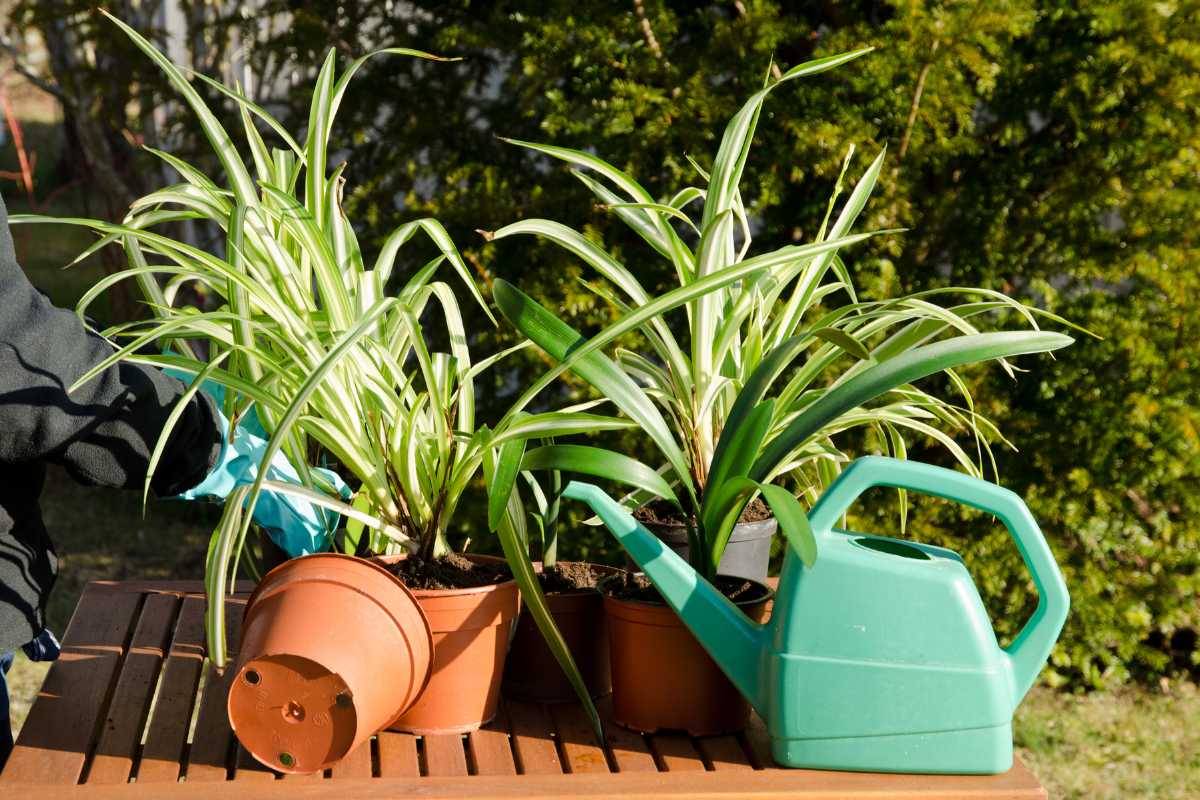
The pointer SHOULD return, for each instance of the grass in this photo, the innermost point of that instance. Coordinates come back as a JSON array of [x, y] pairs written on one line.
[[1134, 743]]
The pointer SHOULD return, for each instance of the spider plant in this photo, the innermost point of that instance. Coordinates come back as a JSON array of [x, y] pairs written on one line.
[[331, 355], [780, 356]]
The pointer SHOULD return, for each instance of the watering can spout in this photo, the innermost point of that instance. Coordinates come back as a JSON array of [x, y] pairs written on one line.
[[737, 644]]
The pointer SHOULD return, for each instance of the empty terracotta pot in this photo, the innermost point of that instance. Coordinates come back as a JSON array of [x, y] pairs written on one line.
[[533, 673], [470, 640], [663, 679], [334, 648]]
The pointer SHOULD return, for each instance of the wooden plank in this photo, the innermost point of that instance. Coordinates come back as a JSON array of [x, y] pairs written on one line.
[[724, 753], [532, 741], [491, 752], [62, 724], [194, 586], [309, 776], [121, 733], [212, 741], [163, 753], [444, 755], [676, 753], [583, 753], [1017, 784], [398, 755], [629, 750], [249, 770], [356, 764]]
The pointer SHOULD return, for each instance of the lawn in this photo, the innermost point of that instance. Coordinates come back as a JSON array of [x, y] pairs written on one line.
[[1135, 743]]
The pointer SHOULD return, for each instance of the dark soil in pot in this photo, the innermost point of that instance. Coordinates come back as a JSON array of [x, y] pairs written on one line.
[[635, 586], [454, 571], [532, 672], [748, 552], [662, 678]]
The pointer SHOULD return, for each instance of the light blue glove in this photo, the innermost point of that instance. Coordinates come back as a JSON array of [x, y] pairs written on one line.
[[297, 526]]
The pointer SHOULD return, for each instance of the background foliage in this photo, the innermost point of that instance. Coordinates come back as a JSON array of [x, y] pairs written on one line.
[[1049, 150]]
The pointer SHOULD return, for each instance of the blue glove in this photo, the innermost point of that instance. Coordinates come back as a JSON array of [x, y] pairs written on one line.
[[297, 526]]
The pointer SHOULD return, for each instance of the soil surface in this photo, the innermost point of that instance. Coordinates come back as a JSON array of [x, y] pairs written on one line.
[[660, 512], [449, 572], [575, 576], [629, 586]]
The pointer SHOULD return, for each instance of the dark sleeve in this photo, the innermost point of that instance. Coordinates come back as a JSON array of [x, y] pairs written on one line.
[[104, 431]]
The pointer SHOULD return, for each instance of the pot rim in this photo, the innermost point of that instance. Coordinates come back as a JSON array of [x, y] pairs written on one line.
[[769, 596]]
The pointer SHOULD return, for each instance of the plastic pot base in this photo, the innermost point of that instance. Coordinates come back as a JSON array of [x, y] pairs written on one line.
[[316, 707]]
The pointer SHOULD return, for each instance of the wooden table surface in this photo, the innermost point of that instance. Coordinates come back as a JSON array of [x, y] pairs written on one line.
[[132, 708]]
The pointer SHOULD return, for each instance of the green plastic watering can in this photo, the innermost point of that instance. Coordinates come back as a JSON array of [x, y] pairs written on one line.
[[880, 657]]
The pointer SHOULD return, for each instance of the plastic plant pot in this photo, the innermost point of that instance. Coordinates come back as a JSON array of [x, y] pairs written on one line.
[[532, 672], [663, 679], [334, 649], [471, 628]]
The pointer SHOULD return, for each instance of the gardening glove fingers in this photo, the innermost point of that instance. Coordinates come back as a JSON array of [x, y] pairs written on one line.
[[297, 526]]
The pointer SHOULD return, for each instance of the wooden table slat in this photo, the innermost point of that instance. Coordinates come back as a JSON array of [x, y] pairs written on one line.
[[166, 736], [490, 749], [121, 734], [248, 769], [724, 753], [630, 752], [62, 724], [444, 755], [583, 753], [535, 750], [398, 756], [96, 703], [212, 744], [676, 753], [356, 764]]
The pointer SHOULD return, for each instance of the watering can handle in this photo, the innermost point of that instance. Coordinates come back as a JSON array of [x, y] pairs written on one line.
[[1030, 649]]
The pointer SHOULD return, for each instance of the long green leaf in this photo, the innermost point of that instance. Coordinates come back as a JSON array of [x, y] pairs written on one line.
[[601, 463], [562, 342], [517, 556], [902, 369]]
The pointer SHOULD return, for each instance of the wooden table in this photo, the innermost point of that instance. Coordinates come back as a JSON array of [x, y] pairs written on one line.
[[133, 709]]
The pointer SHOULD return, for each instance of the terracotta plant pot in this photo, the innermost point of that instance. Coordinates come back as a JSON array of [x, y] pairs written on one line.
[[319, 632], [663, 679], [532, 672], [470, 640]]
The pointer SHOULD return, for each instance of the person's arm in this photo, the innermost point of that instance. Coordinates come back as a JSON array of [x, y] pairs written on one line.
[[104, 431]]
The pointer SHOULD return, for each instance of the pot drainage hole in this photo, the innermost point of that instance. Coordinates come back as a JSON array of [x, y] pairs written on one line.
[[293, 712]]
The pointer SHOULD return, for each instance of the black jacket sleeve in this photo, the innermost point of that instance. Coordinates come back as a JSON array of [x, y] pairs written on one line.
[[104, 431]]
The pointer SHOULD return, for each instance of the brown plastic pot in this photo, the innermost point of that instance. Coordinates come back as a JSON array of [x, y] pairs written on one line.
[[663, 679], [533, 673], [334, 648], [470, 640]]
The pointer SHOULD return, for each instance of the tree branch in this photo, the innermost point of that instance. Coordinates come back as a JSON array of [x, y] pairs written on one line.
[[916, 101], [7, 46], [648, 33]]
